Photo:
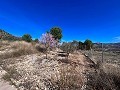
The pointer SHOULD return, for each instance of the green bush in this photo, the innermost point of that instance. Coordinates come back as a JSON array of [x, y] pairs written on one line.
[[27, 38], [88, 44], [56, 32]]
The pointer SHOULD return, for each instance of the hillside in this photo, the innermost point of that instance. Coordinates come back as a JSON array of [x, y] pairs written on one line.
[[6, 36], [107, 47], [28, 69], [24, 65]]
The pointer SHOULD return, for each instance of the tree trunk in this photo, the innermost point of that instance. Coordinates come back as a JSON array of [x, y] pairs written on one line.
[[46, 55], [67, 55]]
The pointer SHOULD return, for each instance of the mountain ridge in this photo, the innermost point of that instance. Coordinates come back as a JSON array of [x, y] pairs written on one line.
[[7, 36]]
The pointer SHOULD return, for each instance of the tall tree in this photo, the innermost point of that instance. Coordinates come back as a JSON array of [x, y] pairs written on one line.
[[56, 32], [27, 37], [88, 44]]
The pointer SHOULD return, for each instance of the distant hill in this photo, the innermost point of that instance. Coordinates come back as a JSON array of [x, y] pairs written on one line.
[[107, 46], [6, 36]]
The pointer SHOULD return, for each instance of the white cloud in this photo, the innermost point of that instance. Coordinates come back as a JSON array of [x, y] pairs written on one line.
[[71, 40], [116, 39], [63, 40], [66, 40]]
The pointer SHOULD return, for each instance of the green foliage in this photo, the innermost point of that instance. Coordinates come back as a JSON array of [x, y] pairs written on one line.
[[36, 40], [57, 33], [88, 44], [75, 45], [80, 45], [27, 38]]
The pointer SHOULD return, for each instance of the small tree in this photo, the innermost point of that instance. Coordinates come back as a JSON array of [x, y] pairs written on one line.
[[88, 44], [36, 40], [48, 41], [27, 37], [81, 45], [57, 33]]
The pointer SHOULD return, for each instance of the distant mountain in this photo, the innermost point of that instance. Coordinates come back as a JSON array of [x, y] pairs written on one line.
[[6, 36], [107, 46]]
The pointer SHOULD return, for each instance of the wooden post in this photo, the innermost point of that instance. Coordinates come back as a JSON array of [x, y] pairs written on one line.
[[102, 53]]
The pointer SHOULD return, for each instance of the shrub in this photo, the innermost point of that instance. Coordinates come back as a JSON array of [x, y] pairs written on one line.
[[56, 32], [68, 79], [3, 43], [27, 38], [36, 40], [11, 74], [68, 48], [40, 48], [20, 48], [88, 44], [104, 79]]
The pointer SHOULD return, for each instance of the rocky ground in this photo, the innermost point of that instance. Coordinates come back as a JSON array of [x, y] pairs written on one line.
[[3, 84], [34, 72]]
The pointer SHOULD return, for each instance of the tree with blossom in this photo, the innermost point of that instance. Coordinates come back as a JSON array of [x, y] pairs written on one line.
[[48, 41]]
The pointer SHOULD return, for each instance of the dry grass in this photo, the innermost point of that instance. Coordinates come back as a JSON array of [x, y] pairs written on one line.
[[19, 48], [107, 74], [10, 75], [111, 68], [40, 48], [21, 44], [69, 78], [107, 77], [4, 43]]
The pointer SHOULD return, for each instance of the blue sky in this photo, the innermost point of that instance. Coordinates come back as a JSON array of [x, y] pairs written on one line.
[[98, 20]]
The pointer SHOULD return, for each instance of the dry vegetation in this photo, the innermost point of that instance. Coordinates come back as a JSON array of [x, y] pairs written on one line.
[[69, 78], [107, 75], [16, 49], [103, 80], [27, 68]]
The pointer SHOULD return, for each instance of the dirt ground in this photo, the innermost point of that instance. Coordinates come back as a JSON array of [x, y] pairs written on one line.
[[31, 72]]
